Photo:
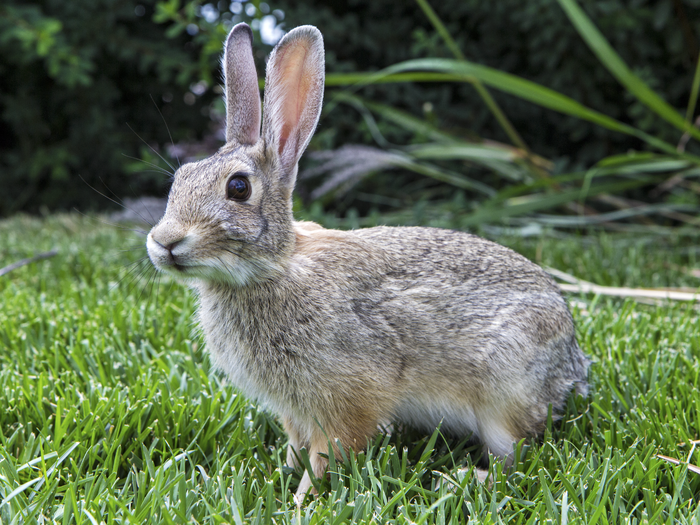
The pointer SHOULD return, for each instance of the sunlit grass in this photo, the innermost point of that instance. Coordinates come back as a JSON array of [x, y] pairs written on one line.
[[112, 413]]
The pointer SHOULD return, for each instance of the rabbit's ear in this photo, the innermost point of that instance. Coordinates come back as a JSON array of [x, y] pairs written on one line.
[[293, 96], [242, 91]]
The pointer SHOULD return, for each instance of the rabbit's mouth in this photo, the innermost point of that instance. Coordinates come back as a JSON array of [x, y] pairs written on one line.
[[180, 268]]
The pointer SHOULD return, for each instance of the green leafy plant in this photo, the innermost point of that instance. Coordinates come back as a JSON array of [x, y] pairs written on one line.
[[524, 184], [74, 78]]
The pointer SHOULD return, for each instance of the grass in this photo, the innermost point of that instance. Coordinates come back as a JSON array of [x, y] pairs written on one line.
[[112, 413]]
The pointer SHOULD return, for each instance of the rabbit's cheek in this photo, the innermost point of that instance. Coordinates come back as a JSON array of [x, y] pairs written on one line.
[[247, 226]]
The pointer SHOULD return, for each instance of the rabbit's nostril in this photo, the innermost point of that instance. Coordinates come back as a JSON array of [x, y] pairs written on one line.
[[170, 247]]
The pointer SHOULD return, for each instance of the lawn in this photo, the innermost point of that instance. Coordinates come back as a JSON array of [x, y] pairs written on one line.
[[113, 414]]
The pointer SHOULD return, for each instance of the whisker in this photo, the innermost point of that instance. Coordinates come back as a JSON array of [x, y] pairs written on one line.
[[115, 202], [118, 256], [132, 272], [132, 249], [157, 169], [167, 128], [151, 284], [227, 268], [148, 208], [151, 147], [112, 224], [152, 275]]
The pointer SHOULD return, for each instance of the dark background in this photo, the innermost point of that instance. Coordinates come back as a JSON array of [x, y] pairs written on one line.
[[87, 87]]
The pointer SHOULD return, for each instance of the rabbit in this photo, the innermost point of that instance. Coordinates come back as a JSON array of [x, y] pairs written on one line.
[[337, 332]]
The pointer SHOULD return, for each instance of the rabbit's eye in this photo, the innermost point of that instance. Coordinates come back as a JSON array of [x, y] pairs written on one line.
[[238, 188]]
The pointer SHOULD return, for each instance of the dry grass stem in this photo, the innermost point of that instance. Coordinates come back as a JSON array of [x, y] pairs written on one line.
[[692, 468], [577, 285]]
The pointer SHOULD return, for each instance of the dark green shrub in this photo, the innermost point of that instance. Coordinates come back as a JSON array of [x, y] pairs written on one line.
[[74, 76]]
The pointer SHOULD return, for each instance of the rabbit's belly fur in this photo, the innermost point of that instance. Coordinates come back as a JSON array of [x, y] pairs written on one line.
[[361, 330]]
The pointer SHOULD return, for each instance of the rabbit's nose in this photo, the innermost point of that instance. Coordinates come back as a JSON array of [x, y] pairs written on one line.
[[170, 247], [168, 236], [166, 244]]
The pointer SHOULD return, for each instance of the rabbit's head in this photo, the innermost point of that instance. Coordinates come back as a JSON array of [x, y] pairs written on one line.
[[229, 217]]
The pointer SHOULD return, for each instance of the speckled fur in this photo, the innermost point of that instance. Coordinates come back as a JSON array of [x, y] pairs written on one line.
[[337, 332]]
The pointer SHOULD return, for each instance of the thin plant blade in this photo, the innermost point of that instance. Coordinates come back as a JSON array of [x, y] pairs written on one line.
[[617, 67]]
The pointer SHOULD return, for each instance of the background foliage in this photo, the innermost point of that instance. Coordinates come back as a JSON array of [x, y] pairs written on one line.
[[75, 77], [531, 39]]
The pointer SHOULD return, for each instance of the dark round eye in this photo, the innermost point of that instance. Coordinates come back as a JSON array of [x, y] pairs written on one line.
[[238, 188]]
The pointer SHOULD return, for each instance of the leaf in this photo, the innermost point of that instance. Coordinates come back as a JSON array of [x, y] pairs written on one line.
[[426, 69], [690, 112], [617, 67], [461, 151], [537, 202]]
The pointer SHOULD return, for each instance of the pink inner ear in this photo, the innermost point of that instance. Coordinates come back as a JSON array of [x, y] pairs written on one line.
[[296, 87], [283, 139]]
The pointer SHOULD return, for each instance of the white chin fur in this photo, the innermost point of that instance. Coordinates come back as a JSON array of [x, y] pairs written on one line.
[[227, 269], [224, 270]]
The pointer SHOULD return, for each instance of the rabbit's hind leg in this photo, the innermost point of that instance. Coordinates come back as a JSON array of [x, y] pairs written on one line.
[[319, 445]]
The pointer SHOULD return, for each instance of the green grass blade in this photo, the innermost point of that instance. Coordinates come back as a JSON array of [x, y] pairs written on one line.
[[473, 152], [20, 489], [647, 162], [692, 102], [361, 79], [441, 29], [466, 71], [617, 67], [523, 206]]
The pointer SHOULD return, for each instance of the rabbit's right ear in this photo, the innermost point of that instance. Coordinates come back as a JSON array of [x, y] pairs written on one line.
[[242, 91], [293, 97]]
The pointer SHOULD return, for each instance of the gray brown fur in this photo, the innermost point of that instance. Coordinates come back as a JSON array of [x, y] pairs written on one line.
[[339, 332], [243, 108]]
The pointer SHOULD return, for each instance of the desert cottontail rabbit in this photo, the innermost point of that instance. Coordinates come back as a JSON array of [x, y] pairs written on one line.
[[339, 331]]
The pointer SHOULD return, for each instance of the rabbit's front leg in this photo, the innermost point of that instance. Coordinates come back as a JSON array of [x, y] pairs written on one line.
[[354, 436], [295, 442], [318, 466]]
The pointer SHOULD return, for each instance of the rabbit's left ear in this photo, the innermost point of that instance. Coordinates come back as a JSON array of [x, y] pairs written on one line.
[[242, 91], [293, 96]]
